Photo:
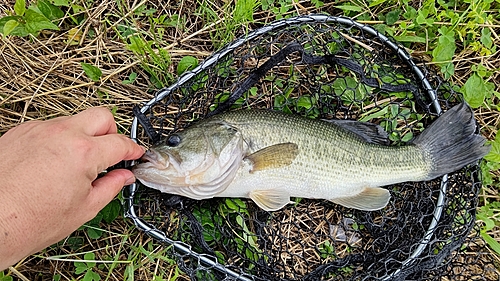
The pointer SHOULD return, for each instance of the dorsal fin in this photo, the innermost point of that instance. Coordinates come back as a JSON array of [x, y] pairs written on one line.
[[369, 132]]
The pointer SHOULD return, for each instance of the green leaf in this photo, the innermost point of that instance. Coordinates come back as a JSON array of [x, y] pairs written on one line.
[[93, 72], [80, 267], [304, 101], [137, 45], [94, 233], [186, 63], [9, 27], [36, 22], [349, 8], [64, 3], [89, 257], [111, 211], [486, 38], [90, 275], [20, 7], [474, 90], [494, 245], [50, 11], [489, 224], [131, 78], [5, 278], [376, 3], [19, 30], [407, 38], [494, 155], [392, 17], [445, 48]]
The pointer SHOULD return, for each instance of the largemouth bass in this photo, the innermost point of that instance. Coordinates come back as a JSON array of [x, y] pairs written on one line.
[[271, 156]]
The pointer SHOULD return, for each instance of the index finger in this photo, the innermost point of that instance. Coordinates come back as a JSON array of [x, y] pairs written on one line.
[[114, 148], [95, 121]]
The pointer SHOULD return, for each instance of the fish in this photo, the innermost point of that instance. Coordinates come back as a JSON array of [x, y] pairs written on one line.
[[271, 157]]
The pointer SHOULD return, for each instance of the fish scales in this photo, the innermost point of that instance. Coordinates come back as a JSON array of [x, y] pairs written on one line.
[[330, 159]]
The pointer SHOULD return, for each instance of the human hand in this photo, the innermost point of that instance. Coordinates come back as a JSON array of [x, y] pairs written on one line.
[[49, 184]]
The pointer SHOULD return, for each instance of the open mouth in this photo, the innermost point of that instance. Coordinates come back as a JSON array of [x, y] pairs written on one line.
[[153, 159]]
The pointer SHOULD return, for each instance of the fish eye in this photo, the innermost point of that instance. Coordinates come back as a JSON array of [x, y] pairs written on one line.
[[173, 140]]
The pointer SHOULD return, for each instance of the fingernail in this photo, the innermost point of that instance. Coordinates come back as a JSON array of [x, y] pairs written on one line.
[[130, 181]]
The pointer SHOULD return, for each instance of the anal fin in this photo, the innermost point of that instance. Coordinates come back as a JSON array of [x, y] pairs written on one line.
[[270, 199], [370, 199]]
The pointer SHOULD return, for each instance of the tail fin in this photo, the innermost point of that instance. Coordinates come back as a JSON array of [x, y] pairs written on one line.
[[451, 141]]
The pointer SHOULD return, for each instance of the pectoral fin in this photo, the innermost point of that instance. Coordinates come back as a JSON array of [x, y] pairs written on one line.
[[370, 199], [274, 156], [270, 199]]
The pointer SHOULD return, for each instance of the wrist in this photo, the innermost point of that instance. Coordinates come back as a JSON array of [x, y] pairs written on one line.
[[12, 247]]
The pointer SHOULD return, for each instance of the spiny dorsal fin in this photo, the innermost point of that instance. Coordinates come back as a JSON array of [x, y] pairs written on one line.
[[274, 156], [369, 132], [270, 199], [370, 199]]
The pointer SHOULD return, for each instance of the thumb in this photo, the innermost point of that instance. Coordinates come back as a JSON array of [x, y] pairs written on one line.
[[106, 188]]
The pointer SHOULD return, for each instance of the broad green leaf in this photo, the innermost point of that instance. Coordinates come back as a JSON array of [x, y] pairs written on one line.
[[94, 233], [90, 275], [304, 101], [10, 26], [410, 14], [89, 257], [80, 267], [91, 71], [474, 90], [489, 224], [494, 245], [36, 22], [494, 155], [392, 17], [445, 48], [486, 38], [231, 205], [19, 30], [50, 11], [20, 7], [111, 211], [186, 63]]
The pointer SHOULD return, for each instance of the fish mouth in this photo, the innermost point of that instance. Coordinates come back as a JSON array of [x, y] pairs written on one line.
[[153, 159]]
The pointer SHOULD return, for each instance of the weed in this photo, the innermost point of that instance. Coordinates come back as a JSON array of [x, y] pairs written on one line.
[[87, 266], [4, 277], [93, 72]]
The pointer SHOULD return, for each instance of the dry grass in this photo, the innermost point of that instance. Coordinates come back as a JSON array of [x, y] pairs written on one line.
[[41, 78]]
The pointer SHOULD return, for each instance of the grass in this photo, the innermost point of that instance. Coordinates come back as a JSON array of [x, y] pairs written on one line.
[[85, 53]]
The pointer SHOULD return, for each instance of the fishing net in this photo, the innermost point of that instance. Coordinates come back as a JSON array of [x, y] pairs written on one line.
[[319, 67]]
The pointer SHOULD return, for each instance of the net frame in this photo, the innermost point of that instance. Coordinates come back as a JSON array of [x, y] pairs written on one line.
[[211, 261]]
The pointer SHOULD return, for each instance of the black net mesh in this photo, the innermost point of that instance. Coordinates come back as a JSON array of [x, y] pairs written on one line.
[[330, 68]]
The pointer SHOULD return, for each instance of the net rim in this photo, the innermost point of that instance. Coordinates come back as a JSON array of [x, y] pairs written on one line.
[[129, 191]]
